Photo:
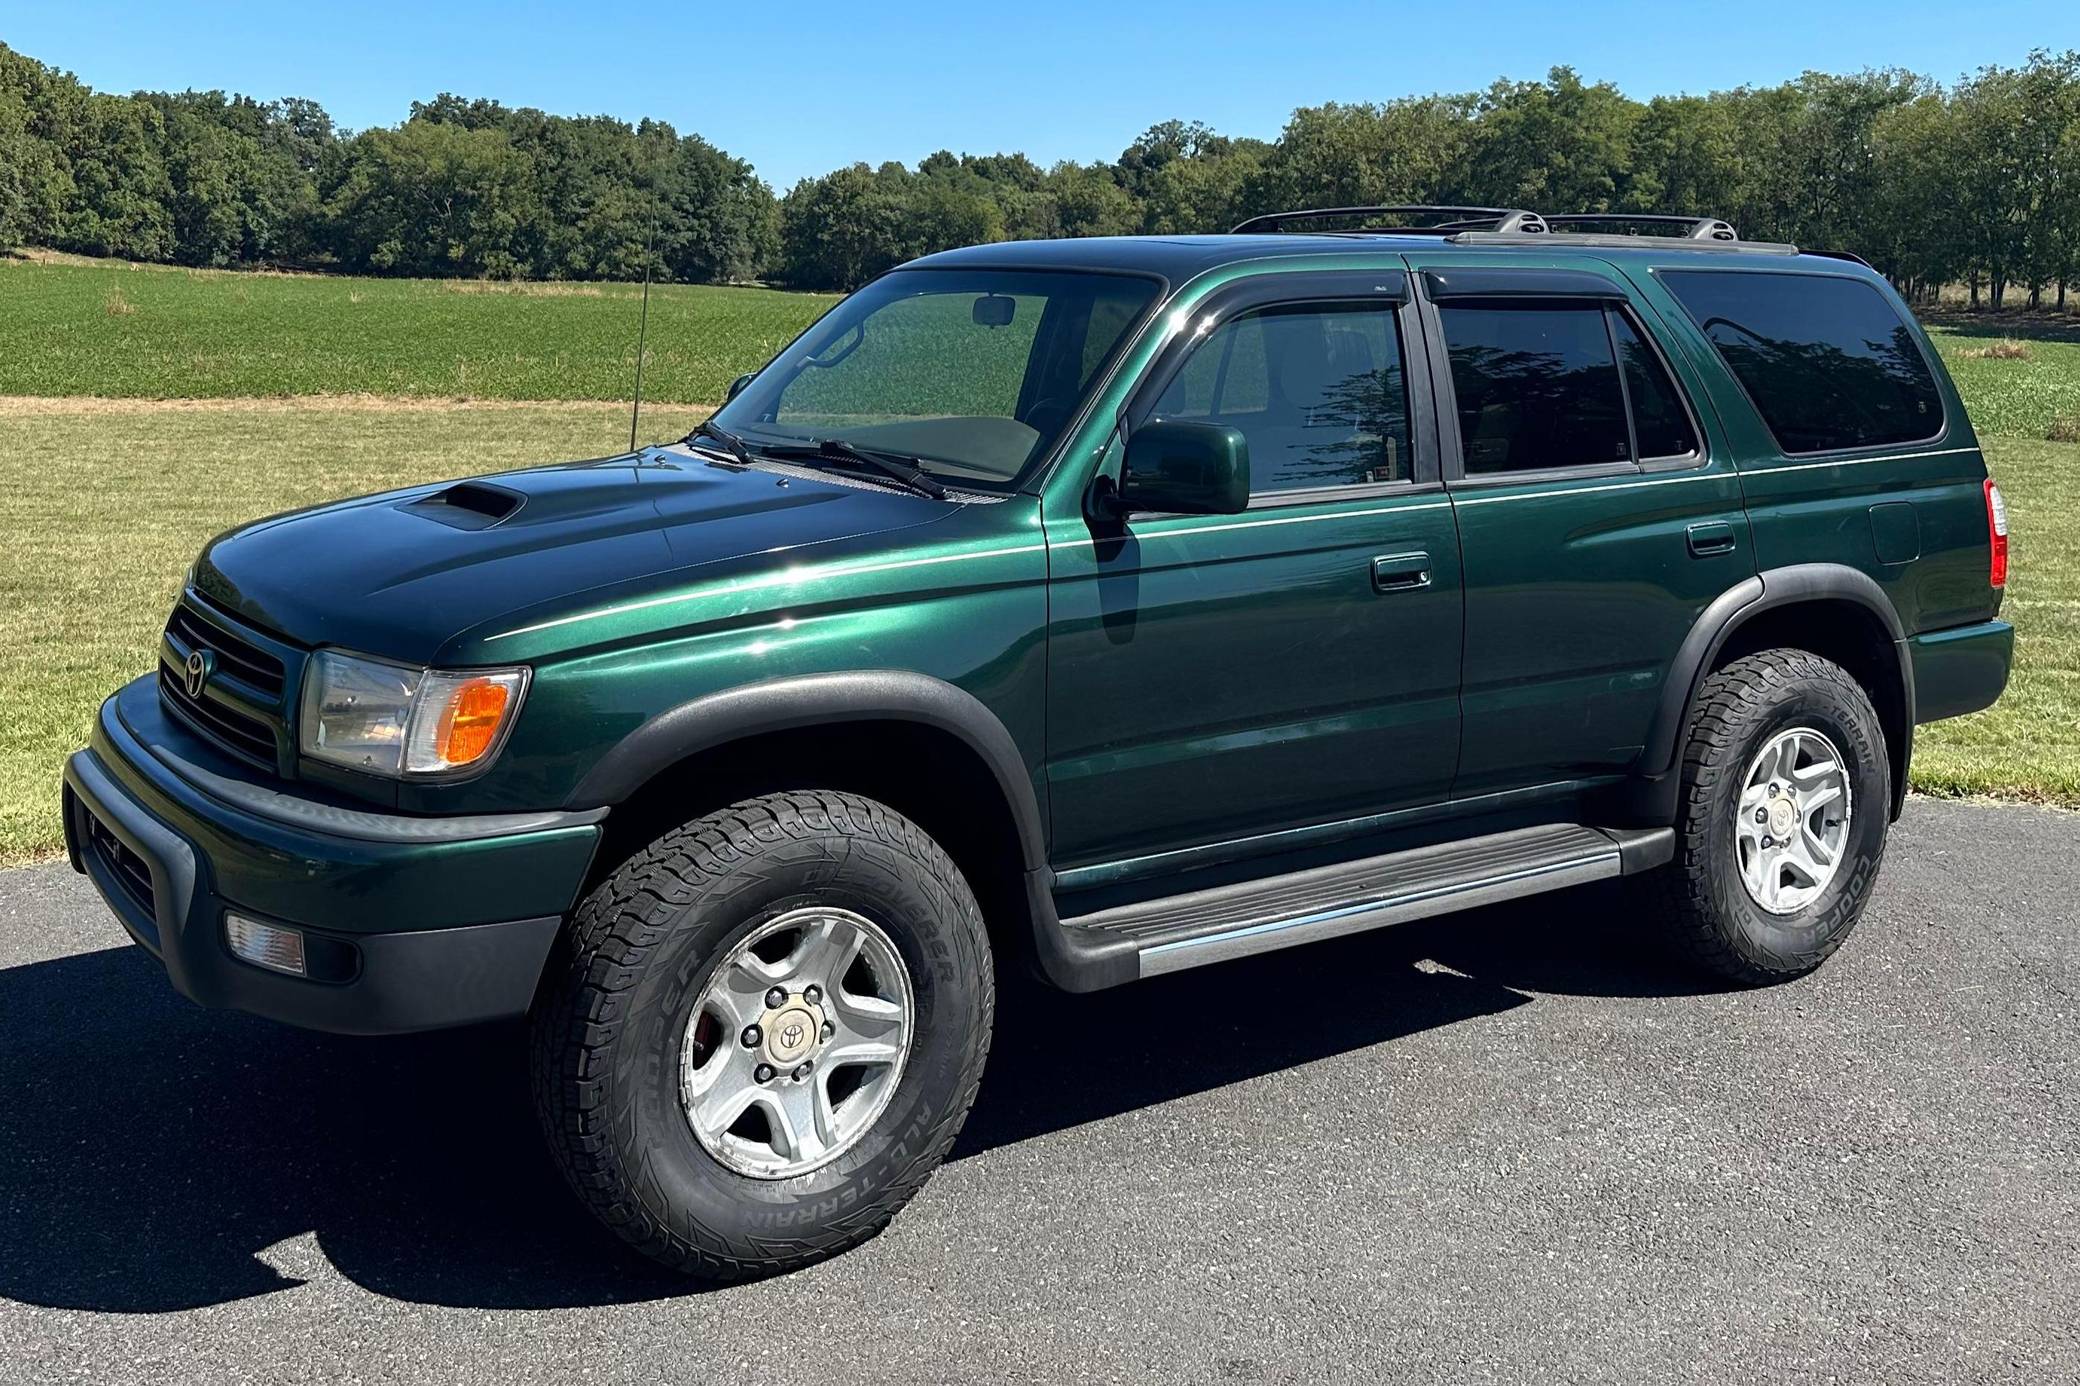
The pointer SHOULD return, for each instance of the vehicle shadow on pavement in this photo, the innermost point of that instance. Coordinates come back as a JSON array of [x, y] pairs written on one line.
[[153, 1155]]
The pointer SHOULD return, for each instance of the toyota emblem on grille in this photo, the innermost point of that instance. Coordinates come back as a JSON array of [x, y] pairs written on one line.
[[195, 673]]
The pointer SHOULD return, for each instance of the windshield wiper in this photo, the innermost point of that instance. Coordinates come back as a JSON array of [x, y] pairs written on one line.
[[731, 443], [890, 464]]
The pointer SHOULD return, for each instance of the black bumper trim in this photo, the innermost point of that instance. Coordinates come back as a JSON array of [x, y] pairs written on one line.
[[420, 979]]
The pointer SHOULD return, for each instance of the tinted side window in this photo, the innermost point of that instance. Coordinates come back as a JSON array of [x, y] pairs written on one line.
[[1536, 385], [1660, 423], [1318, 389], [1827, 361]]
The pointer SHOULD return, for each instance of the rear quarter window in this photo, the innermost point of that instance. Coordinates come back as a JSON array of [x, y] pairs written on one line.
[[1826, 360]]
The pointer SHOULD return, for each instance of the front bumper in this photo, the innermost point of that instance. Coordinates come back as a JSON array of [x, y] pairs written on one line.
[[422, 922]]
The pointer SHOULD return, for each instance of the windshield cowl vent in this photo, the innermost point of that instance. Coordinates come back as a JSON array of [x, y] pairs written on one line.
[[469, 505]]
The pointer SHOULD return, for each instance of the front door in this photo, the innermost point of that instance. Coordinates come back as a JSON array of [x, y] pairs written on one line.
[[1222, 677]]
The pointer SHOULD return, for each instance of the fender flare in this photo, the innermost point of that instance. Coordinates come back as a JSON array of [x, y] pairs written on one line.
[[782, 704], [1735, 607]]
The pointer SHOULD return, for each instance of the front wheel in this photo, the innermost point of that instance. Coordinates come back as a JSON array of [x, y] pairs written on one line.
[[1781, 823], [770, 1028]]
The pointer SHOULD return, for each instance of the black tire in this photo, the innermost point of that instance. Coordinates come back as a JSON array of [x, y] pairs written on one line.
[[1716, 922], [607, 1029]]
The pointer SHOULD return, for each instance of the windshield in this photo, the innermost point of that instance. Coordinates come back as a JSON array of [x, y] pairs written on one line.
[[971, 374]]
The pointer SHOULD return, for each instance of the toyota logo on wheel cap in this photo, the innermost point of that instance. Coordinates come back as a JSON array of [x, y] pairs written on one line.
[[195, 673]]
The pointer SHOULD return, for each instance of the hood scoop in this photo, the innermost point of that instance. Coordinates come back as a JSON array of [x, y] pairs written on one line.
[[468, 505]]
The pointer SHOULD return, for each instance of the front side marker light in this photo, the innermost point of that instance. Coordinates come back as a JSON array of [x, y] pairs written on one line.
[[270, 946], [461, 718]]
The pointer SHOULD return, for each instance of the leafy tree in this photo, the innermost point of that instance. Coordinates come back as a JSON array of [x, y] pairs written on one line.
[[840, 230], [1978, 183], [432, 198], [1089, 201], [1556, 145]]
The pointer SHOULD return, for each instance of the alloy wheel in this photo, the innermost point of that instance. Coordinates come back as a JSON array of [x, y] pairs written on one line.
[[797, 1043], [1791, 826]]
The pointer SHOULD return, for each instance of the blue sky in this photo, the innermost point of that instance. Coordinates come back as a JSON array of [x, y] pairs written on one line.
[[799, 88]]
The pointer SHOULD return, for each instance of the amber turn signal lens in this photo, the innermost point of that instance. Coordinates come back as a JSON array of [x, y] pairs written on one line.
[[461, 717], [470, 721]]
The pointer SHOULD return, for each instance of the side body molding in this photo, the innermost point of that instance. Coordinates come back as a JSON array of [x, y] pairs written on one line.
[[1767, 590], [776, 705]]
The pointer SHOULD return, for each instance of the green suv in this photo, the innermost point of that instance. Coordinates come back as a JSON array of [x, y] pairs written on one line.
[[1108, 606]]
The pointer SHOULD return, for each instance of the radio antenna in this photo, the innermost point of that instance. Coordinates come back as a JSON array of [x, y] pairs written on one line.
[[635, 411]]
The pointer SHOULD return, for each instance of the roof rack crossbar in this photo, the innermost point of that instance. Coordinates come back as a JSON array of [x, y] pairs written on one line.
[[1511, 219], [1696, 228]]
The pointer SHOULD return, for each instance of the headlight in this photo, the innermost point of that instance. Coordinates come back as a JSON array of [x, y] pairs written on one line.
[[392, 719]]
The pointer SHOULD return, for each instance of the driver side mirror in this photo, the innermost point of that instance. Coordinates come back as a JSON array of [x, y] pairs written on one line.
[[736, 387], [1178, 468]]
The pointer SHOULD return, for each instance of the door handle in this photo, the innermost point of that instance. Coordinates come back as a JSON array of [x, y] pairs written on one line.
[[1709, 538], [1400, 572]]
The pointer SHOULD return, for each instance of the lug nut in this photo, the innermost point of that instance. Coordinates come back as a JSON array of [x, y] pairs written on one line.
[[763, 1073], [829, 1029], [801, 1073], [752, 1035], [1762, 815], [776, 998], [1768, 842], [812, 995], [1774, 787]]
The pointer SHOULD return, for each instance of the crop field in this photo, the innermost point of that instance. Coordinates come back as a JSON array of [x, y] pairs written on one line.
[[150, 332], [143, 410]]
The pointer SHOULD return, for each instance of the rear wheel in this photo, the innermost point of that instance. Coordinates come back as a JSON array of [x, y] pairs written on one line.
[[1782, 817], [769, 1029]]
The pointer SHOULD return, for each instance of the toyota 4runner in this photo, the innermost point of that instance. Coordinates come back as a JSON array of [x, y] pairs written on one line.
[[1118, 606]]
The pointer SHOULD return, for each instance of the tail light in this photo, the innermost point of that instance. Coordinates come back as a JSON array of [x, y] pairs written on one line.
[[1997, 532]]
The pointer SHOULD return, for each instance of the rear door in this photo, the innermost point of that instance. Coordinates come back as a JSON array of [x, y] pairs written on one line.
[[1597, 517], [1215, 677]]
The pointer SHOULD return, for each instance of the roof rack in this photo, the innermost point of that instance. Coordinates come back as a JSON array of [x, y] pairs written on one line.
[[1585, 241], [1517, 226], [1695, 228], [1509, 220]]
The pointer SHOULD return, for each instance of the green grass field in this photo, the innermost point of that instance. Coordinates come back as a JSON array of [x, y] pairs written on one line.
[[2021, 396], [148, 332], [2028, 744], [105, 499], [105, 506]]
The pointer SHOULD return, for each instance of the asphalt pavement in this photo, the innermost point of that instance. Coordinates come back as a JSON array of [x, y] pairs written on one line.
[[1512, 1145]]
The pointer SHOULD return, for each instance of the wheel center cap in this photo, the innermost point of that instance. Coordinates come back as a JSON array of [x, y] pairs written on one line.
[[791, 1032], [1782, 817]]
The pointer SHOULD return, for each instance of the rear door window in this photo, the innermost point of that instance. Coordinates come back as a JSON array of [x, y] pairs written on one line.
[[1826, 360], [1536, 386]]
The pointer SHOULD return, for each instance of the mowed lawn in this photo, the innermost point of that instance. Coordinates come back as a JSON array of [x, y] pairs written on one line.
[[2028, 744], [104, 500], [152, 332], [104, 506]]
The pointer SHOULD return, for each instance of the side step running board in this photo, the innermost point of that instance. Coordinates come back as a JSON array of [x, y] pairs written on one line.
[[1205, 926]]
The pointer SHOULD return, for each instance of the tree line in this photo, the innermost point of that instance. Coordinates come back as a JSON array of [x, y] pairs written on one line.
[[1975, 183]]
